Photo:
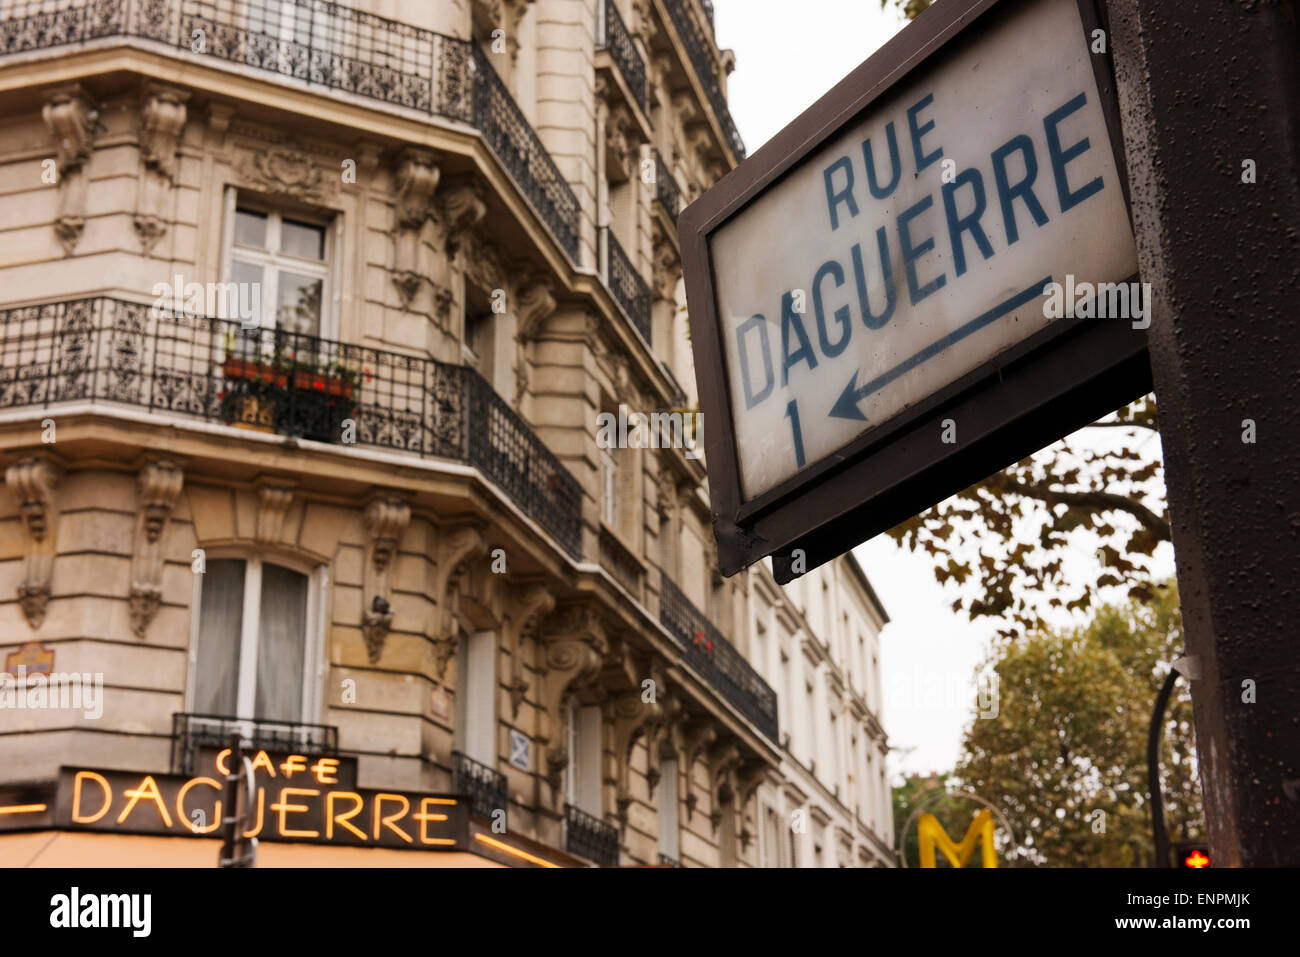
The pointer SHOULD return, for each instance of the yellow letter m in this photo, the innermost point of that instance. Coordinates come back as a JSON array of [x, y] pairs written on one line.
[[930, 833]]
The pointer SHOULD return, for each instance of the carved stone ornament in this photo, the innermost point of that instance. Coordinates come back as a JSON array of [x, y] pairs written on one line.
[[386, 519], [532, 299], [574, 644], [33, 481], [284, 172], [629, 716], [158, 488], [72, 122], [461, 207], [457, 547], [525, 609], [273, 502], [162, 118]]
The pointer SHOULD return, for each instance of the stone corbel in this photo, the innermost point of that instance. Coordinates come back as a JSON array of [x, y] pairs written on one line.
[[723, 760], [72, 122], [532, 299], [457, 549], [416, 180], [461, 206], [667, 266], [273, 500], [697, 736], [162, 118], [527, 607], [385, 519], [629, 716], [159, 484], [33, 481], [664, 735], [574, 644]]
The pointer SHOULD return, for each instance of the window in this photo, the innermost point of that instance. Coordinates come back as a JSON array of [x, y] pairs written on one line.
[[582, 782], [476, 685], [609, 488], [254, 644], [668, 825], [771, 838], [286, 257]]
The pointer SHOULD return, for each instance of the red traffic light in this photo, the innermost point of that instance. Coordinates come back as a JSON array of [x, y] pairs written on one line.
[[1194, 856]]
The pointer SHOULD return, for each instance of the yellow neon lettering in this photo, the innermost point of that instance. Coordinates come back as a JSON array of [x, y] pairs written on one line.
[[222, 767], [284, 807], [77, 816], [148, 789], [424, 817], [331, 817], [261, 800], [293, 764], [180, 805], [263, 760], [388, 821], [930, 833], [324, 769]]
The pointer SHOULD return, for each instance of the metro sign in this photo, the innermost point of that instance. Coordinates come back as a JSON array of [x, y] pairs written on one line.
[[916, 282]]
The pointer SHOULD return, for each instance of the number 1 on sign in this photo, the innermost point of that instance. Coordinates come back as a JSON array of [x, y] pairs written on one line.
[[792, 413]]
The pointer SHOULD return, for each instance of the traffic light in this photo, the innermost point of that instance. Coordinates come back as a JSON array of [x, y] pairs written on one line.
[[1191, 854]]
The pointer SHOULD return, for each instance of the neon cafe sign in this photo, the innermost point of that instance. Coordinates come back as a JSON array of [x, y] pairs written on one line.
[[297, 798]]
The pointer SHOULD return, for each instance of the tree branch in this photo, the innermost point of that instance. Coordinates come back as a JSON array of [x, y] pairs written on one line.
[[1089, 499]]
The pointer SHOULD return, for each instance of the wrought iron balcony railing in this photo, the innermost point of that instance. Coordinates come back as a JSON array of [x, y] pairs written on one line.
[[191, 732], [325, 44], [667, 192], [113, 351], [714, 657], [708, 12], [588, 836], [626, 284], [666, 861], [615, 38], [697, 50], [485, 787]]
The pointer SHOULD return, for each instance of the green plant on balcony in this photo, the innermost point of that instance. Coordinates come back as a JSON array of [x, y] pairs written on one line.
[[286, 394]]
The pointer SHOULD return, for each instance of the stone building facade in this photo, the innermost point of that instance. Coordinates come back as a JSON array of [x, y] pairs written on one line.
[[308, 315]]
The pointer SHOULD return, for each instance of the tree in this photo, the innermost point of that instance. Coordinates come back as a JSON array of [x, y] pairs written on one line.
[[1065, 757], [910, 8], [1005, 541]]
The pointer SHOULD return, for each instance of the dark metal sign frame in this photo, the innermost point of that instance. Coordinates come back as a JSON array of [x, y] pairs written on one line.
[[1046, 386]]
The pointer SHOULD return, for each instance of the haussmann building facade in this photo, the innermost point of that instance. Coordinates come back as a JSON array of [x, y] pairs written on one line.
[[308, 315]]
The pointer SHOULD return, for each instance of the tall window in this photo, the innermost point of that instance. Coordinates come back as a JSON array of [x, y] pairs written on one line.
[[476, 686], [609, 487], [668, 825], [253, 653], [287, 258], [582, 782]]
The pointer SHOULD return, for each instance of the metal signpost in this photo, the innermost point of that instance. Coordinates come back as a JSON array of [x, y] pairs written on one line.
[[869, 293], [931, 274]]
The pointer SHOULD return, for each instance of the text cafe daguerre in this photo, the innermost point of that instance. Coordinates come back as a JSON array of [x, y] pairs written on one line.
[[306, 810]]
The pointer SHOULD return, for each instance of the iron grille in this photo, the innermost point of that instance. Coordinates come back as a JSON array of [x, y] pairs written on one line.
[[330, 45], [717, 660], [484, 787], [191, 732], [697, 51], [285, 382], [590, 837], [618, 41], [625, 283], [664, 859], [667, 192]]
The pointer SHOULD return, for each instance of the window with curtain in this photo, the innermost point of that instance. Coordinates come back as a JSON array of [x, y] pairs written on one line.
[[251, 653], [668, 824], [286, 257]]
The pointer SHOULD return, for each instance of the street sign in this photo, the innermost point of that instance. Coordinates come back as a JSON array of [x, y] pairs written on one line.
[[925, 277]]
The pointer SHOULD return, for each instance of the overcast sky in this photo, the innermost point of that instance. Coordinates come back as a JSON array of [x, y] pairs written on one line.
[[785, 60]]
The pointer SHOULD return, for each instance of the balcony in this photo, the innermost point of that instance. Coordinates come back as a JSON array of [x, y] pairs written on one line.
[[667, 193], [121, 353], [717, 661], [192, 732], [697, 51], [613, 36], [482, 786], [625, 283], [666, 861], [590, 837], [328, 45]]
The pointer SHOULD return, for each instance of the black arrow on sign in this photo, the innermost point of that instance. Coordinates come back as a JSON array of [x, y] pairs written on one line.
[[846, 406]]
